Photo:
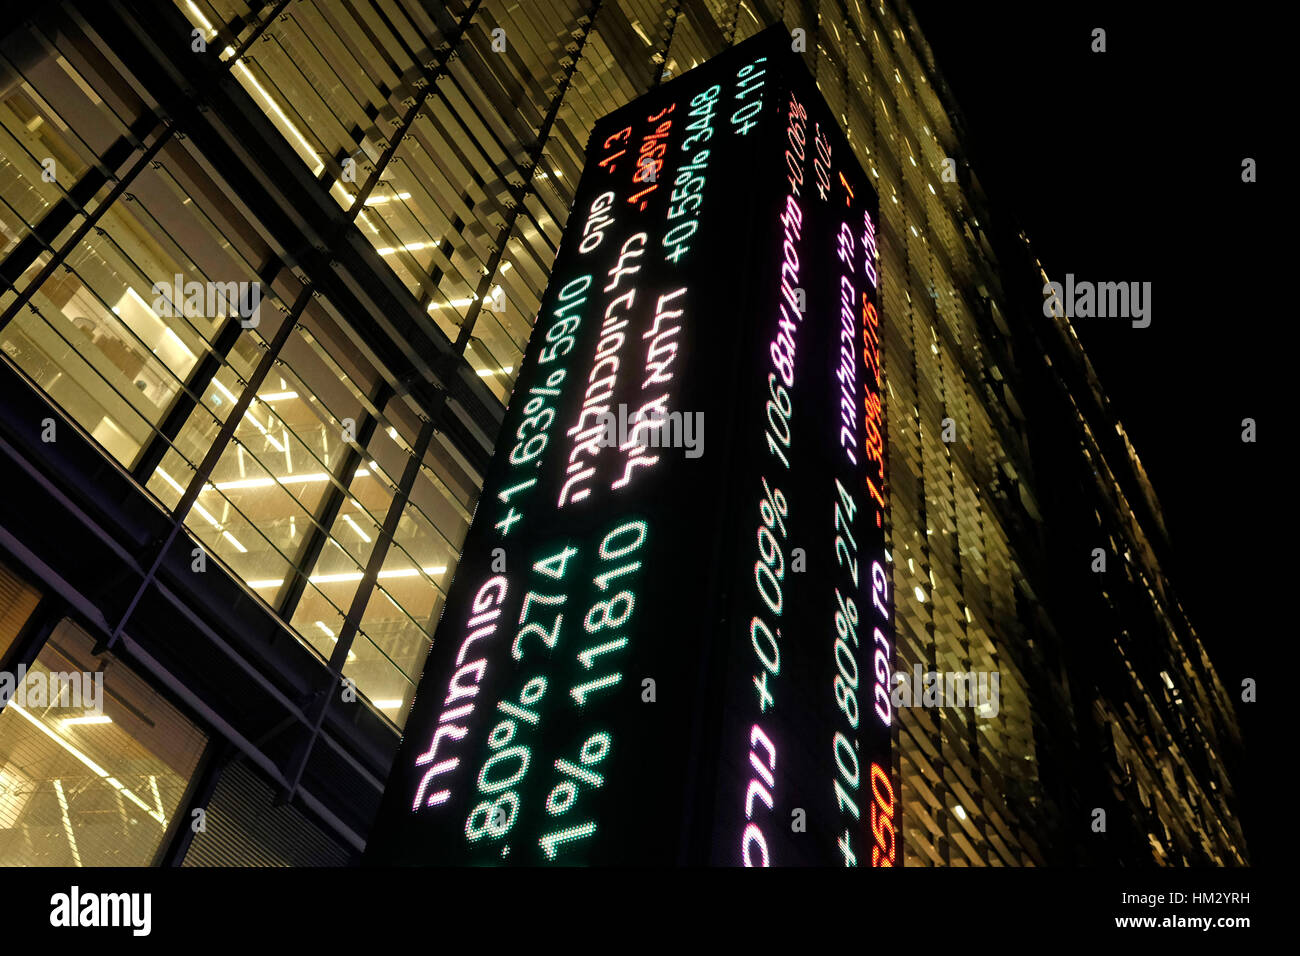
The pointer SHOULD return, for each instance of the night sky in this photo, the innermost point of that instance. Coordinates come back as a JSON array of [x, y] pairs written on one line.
[[1126, 166]]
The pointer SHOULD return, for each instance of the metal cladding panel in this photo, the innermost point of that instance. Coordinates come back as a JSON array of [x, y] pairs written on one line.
[[244, 826]]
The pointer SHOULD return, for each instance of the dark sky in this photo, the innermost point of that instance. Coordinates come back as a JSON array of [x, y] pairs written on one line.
[[1126, 166]]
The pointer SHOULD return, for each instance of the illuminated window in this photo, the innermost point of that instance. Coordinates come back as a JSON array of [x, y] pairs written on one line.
[[94, 764]]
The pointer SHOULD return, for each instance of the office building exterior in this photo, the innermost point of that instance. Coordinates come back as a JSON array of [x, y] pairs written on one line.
[[268, 271]]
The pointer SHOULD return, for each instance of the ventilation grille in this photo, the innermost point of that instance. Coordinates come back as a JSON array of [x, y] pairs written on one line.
[[246, 828]]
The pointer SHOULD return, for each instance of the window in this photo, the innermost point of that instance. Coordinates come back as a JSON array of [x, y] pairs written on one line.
[[94, 763]]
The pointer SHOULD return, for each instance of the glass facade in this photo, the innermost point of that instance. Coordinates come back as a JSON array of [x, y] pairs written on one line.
[[109, 328], [150, 294], [84, 785]]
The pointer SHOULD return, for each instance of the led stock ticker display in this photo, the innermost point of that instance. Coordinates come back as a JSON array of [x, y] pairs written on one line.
[[669, 637]]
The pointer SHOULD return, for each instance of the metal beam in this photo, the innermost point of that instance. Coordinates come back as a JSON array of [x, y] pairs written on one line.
[[361, 598], [218, 448], [534, 158]]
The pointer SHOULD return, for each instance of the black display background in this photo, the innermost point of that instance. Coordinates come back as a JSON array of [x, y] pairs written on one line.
[[803, 721], [675, 775]]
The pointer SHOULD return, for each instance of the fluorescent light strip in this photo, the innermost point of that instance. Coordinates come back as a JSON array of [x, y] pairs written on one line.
[[243, 483], [357, 528], [248, 413], [311, 150], [451, 304], [142, 303], [245, 72], [157, 797], [409, 247], [67, 822], [94, 767], [204, 512], [345, 576], [167, 329], [352, 655], [267, 481]]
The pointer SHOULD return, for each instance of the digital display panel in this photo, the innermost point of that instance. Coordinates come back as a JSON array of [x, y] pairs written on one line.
[[669, 637]]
